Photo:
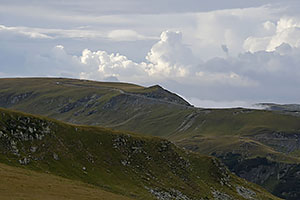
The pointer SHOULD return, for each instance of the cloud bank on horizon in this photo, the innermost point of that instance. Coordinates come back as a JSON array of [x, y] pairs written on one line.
[[213, 54]]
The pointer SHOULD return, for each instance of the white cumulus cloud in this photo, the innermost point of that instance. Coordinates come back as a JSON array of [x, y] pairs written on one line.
[[249, 77], [258, 60], [100, 65], [285, 30], [169, 56]]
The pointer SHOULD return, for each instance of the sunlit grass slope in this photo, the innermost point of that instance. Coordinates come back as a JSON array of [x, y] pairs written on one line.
[[151, 111], [17, 183], [123, 163]]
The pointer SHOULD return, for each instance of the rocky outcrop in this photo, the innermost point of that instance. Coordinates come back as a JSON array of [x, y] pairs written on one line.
[[220, 195], [285, 178], [10, 99], [20, 136], [245, 192], [168, 195], [280, 141], [147, 167], [85, 102]]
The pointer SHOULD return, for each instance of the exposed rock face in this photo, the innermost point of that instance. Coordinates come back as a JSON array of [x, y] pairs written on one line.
[[220, 196], [285, 177], [55, 156], [12, 98], [275, 167], [24, 161], [168, 195], [19, 136], [157, 168], [188, 122], [246, 193], [90, 103], [85, 102], [280, 141]]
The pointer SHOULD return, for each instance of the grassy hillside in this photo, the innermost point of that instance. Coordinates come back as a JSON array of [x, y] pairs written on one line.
[[151, 111], [139, 167], [17, 183], [247, 133]]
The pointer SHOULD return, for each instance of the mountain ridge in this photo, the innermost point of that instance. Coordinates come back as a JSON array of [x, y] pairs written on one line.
[[139, 167], [238, 133]]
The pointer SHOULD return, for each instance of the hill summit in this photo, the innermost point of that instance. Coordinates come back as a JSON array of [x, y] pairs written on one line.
[[139, 167]]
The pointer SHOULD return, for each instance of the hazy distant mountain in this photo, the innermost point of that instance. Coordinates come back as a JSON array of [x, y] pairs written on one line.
[[293, 109]]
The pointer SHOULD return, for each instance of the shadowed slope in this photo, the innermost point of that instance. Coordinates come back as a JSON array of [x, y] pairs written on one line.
[[157, 112], [123, 163]]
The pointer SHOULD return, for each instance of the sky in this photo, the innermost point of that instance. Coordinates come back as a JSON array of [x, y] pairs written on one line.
[[212, 53]]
